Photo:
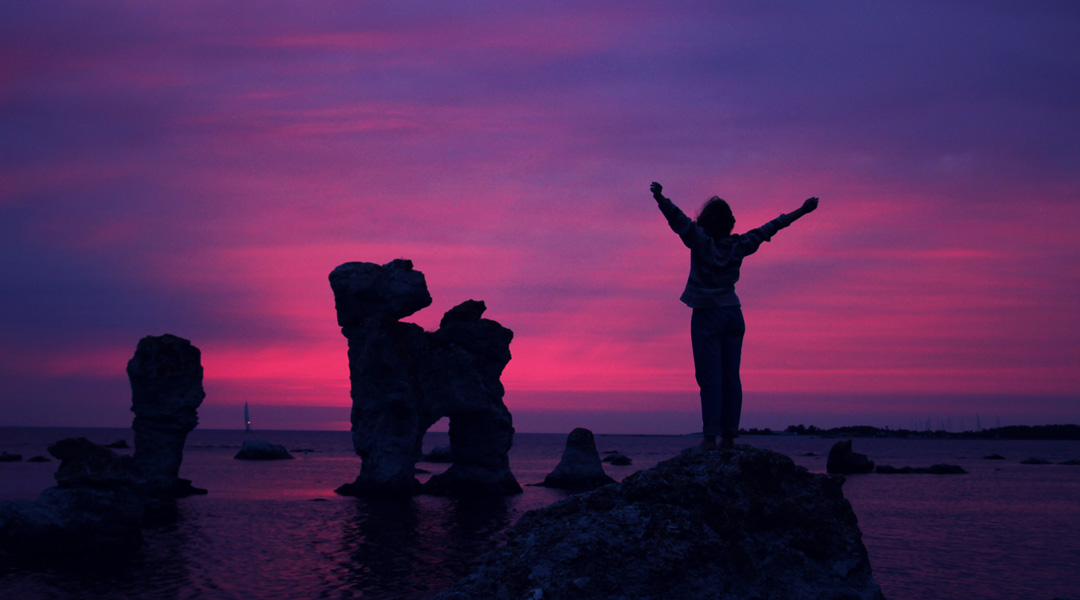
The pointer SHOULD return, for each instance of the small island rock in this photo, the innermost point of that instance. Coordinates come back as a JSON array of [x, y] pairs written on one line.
[[844, 461], [618, 459], [580, 467], [262, 450]]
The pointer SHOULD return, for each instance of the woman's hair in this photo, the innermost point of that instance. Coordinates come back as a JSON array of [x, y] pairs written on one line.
[[716, 218]]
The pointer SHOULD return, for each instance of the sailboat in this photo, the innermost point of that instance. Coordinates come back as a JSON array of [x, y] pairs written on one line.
[[247, 419]]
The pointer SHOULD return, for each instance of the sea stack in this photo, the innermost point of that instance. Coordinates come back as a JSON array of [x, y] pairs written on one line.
[[580, 467], [404, 379], [166, 389]]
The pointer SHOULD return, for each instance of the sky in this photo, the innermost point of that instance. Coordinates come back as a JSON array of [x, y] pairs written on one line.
[[199, 168]]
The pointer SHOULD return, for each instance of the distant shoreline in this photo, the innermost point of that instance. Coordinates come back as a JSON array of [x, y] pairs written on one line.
[[1011, 432]]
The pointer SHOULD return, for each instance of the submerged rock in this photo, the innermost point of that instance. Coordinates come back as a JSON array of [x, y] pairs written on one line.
[[10, 457], [730, 524], [931, 470], [404, 379], [1071, 462], [994, 457], [580, 467], [1035, 461], [262, 450], [844, 461]]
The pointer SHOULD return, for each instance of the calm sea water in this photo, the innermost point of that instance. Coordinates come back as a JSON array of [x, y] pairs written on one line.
[[277, 530]]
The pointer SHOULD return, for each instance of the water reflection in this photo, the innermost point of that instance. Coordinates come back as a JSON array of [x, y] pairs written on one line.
[[411, 548]]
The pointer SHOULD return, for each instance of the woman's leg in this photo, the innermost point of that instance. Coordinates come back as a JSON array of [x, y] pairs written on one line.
[[705, 331], [731, 383]]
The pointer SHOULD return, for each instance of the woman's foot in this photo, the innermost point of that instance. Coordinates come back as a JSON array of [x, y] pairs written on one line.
[[708, 443], [726, 443]]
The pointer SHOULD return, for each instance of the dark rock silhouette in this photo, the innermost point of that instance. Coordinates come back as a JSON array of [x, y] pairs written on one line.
[[166, 389], [1035, 461], [118, 445], [101, 499], [10, 457], [844, 461], [1072, 462], [994, 457], [38, 459], [931, 470], [405, 379], [84, 463], [262, 450], [618, 459], [744, 523], [580, 468]]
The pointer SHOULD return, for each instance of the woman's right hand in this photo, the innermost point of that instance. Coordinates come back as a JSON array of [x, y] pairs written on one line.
[[809, 205], [656, 189]]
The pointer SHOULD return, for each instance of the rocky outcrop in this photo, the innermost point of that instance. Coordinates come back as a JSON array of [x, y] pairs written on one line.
[[404, 379], [166, 389], [844, 461], [730, 524], [931, 470], [580, 468], [10, 457], [101, 499], [262, 450]]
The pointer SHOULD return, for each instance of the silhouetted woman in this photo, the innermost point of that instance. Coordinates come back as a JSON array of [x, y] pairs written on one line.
[[717, 326]]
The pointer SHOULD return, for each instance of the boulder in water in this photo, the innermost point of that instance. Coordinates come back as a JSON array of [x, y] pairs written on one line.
[[844, 461], [262, 450], [580, 467], [618, 459]]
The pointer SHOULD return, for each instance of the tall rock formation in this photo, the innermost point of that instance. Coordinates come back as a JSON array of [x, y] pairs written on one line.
[[166, 389], [728, 525], [404, 379]]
